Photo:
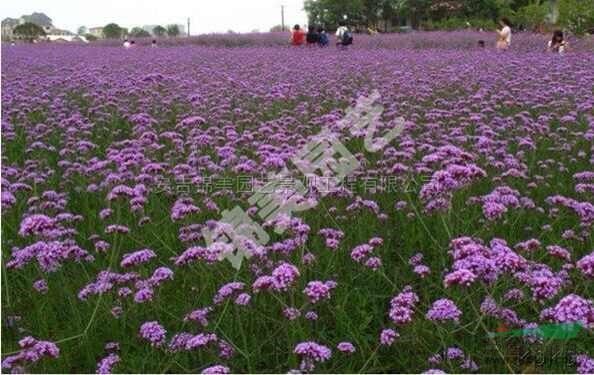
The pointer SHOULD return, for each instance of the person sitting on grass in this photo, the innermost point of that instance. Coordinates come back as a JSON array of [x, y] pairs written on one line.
[[313, 37], [322, 37], [344, 37], [557, 44], [297, 36]]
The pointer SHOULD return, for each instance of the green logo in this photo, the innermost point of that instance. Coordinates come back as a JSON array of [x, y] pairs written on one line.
[[546, 331]]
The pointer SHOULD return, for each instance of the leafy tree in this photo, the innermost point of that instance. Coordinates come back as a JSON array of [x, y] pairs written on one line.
[[90, 37], [159, 30], [139, 32], [532, 16], [29, 31], [577, 15], [82, 30], [112, 31], [449, 13], [172, 30]]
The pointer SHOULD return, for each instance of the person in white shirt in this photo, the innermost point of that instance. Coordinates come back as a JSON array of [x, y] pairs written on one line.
[[340, 32], [127, 44], [344, 37], [557, 44], [504, 35]]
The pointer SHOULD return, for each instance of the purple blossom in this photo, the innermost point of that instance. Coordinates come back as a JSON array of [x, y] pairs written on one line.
[[32, 351], [571, 308], [216, 369], [153, 332], [345, 347], [444, 309], [41, 286], [311, 353], [388, 336], [137, 257], [586, 265], [319, 290], [585, 364], [106, 364]]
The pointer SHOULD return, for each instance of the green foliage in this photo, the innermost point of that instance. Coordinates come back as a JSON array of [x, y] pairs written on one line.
[[29, 31], [446, 14], [159, 30], [82, 30], [459, 24], [172, 30], [91, 37], [139, 32], [531, 16], [576, 15], [112, 31]]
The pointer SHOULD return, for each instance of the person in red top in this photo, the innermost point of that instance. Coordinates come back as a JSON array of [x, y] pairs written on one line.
[[297, 36]]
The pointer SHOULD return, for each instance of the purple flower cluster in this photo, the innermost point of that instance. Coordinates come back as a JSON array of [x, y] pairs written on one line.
[[137, 257], [311, 353], [153, 332], [402, 306], [346, 347], [362, 253], [319, 290], [216, 369], [388, 336], [32, 351], [283, 277], [106, 364], [444, 309], [332, 237], [571, 308], [586, 265], [585, 364]]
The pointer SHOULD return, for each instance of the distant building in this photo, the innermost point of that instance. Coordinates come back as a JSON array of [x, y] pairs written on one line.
[[40, 19], [8, 24], [96, 32], [60, 32], [57, 38]]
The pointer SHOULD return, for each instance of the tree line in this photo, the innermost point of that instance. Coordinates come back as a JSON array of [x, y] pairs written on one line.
[[115, 31], [388, 15]]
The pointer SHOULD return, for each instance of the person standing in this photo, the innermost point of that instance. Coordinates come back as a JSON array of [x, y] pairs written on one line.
[[504, 35]]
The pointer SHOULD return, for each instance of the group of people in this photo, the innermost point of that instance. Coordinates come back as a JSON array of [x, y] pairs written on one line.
[[319, 37], [557, 44], [131, 43]]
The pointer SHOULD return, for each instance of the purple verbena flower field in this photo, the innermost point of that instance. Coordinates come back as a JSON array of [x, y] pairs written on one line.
[[478, 215]]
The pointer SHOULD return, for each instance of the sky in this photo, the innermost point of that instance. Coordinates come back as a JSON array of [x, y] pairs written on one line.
[[206, 16]]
